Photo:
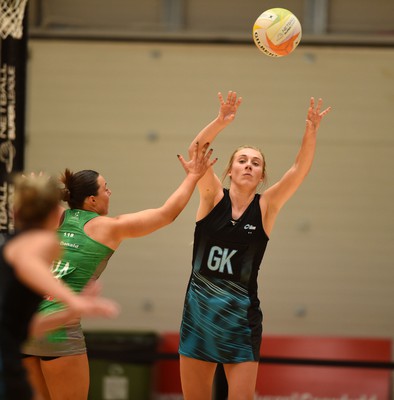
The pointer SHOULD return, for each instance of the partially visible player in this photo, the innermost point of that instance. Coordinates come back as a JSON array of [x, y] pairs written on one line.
[[222, 320], [25, 276]]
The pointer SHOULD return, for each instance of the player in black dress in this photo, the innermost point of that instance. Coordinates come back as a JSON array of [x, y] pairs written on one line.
[[222, 320]]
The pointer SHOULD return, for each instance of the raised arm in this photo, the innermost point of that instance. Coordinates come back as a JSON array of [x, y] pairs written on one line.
[[226, 115], [209, 186], [277, 195], [144, 222]]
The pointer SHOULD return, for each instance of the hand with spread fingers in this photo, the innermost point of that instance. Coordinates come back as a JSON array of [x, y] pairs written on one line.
[[315, 115], [228, 108], [199, 162]]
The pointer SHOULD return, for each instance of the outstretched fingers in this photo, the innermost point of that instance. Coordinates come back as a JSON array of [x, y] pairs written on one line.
[[319, 104], [221, 100], [326, 111], [315, 114], [318, 111], [195, 151], [229, 106], [200, 160], [203, 155], [231, 99], [203, 150], [207, 159], [239, 101], [183, 162]]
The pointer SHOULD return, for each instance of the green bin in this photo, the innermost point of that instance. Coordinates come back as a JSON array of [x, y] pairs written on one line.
[[121, 364]]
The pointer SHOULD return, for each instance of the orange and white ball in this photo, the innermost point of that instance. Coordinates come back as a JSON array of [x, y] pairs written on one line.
[[277, 32]]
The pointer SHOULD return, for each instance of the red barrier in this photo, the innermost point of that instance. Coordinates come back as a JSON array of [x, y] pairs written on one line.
[[167, 376], [296, 382]]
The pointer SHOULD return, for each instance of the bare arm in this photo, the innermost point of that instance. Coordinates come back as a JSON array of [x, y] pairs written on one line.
[[226, 115], [90, 305], [277, 195], [147, 221], [209, 186], [31, 255]]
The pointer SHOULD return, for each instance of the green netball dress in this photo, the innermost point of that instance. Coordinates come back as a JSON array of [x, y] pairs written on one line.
[[222, 320], [82, 259]]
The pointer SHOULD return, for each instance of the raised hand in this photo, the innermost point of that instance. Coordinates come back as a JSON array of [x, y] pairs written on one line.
[[199, 162], [315, 115], [228, 108]]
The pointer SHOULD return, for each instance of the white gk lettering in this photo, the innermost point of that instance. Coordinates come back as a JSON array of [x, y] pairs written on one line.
[[219, 259]]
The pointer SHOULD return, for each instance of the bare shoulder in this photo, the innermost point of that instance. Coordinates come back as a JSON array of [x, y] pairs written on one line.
[[34, 237], [32, 242], [102, 223], [105, 230]]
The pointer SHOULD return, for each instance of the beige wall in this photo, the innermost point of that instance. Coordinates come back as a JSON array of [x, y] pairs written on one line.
[[330, 258]]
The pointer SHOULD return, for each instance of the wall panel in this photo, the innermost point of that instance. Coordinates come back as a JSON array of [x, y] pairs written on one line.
[[127, 109]]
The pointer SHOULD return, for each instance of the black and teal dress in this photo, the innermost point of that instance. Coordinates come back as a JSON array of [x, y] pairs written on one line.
[[222, 319]]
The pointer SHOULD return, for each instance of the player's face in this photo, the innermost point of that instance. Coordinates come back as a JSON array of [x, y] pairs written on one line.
[[247, 167], [102, 197]]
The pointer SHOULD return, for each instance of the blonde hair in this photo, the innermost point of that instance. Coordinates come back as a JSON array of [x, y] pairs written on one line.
[[230, 162], [35, 197]]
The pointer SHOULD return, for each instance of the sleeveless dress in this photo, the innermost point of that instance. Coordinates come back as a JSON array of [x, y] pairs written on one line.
[[222, 320], [82, 259]]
